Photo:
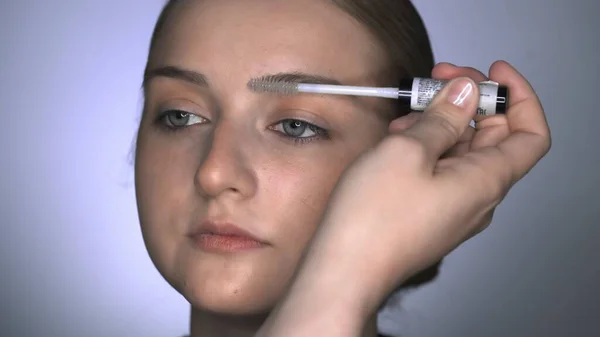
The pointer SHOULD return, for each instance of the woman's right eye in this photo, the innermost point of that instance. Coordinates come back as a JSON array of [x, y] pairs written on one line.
[[177, 119]]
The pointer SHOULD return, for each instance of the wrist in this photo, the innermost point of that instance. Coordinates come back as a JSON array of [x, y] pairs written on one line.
[[320, 301], [364, 275], [313, 307]]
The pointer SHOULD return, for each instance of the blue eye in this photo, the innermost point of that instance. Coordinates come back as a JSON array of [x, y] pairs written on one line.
[[299, 130], [179, 119]]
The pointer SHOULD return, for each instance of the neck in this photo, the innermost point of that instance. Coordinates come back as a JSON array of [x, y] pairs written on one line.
[[207, 324]]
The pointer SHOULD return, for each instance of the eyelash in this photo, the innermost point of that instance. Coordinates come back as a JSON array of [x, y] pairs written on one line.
[[320, 133]]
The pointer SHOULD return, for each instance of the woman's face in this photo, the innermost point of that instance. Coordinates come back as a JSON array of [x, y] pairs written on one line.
[[212, 155]]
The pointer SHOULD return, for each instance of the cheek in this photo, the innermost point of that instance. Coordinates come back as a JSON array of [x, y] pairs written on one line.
[[297, 190], [296, 197], [164, 179]]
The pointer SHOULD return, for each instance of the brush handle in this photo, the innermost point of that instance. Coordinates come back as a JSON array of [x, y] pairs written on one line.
[[348, 90]]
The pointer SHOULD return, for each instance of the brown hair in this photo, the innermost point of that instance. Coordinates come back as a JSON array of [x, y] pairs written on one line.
[[400, 31]]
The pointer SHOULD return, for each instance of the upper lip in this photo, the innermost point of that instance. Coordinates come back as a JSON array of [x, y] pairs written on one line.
[[223, 228]]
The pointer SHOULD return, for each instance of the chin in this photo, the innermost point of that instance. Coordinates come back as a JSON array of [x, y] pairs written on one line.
[[226, 298], [238, 289]]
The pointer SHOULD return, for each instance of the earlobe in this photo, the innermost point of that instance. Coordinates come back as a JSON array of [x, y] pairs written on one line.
[[402, 123]]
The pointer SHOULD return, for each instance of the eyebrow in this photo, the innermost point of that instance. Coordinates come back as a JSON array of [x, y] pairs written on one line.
[[199, 79], [301, 77], [177, 73], [297, 77]]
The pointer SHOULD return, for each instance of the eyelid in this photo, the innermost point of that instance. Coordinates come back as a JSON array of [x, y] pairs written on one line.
[[185, 105], [304, 115]]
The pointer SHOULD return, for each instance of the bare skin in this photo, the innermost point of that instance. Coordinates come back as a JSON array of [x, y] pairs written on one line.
[[269, 165]]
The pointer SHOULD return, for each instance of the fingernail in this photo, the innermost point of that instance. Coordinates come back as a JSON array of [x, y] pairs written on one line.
[[460, 92]]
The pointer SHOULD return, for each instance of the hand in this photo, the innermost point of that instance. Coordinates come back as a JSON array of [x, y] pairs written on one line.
[[430, 186], [426, 188], [488, 131]]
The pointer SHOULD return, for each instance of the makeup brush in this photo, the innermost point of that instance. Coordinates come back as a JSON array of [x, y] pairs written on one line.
[[418, 92]]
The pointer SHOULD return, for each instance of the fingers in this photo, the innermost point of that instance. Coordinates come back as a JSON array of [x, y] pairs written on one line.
[[404, 122], [447, 71], [490, 132], [529, 138], [446, 118], [522, 136], [463, 145], [525, 112]]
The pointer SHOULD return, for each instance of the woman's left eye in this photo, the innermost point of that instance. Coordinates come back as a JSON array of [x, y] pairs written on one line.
[[299, 129]]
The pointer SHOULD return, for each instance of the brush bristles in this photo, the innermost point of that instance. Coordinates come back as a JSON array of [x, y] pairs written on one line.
[[276, 87]]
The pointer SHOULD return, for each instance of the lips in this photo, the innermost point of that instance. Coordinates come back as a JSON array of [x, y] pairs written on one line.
[[224, 237]]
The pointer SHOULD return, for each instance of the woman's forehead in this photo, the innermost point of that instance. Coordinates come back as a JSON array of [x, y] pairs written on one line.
[[313, 36]]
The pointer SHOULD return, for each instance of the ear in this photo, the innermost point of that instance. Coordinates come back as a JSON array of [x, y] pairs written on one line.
[[402, 123]]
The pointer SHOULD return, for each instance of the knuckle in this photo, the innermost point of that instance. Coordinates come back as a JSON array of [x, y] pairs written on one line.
[[475, 74], [443, 126], [547, 144], [495, 188], [410, 148], [485, 222], [491, 184]]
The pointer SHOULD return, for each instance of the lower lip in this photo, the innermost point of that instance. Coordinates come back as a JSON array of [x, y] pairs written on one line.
[[225, 243]]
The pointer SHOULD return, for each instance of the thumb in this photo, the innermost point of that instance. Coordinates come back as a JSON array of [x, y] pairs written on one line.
[[446, 118]]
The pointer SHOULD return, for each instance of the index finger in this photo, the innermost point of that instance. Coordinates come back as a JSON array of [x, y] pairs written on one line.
[[448, 71]]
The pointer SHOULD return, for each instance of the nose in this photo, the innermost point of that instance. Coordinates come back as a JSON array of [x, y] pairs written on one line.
[[226, 169]]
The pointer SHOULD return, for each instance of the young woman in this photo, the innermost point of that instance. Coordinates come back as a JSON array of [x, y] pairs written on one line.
[[299, 215]]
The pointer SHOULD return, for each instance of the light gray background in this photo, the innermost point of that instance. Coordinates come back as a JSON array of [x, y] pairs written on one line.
[[72, 259]]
